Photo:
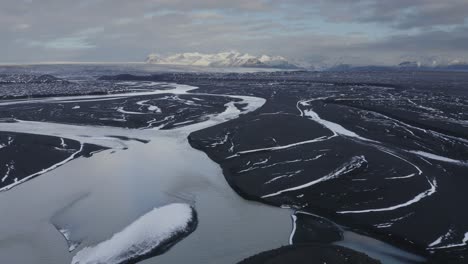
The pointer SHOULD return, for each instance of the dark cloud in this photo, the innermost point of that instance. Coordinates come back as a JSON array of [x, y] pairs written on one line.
[[361, 31], [402, 14], [454, 41]]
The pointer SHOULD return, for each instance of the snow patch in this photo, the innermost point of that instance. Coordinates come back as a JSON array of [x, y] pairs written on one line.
[[9, 168], [151, 108], [442, 239], [437, 157], [334, 127], [315, 140], [121, 110], [148, 233], [293, 231], [62, 143], [417, 198], [353, 164]]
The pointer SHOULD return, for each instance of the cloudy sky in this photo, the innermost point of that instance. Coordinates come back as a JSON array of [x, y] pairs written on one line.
[[345, 31]]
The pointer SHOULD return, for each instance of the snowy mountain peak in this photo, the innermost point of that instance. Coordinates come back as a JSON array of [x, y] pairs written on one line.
[[222, 59]]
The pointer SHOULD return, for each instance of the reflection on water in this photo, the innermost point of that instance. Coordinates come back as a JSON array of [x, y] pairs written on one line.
[[374, 248]]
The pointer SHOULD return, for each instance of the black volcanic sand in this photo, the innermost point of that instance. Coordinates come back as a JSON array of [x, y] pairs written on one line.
[[129, 112], [22, 155], [310, 254], [374, 186], [369, 186]]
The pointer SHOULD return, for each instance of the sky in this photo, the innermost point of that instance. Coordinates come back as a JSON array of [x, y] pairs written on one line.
[[320, 32]]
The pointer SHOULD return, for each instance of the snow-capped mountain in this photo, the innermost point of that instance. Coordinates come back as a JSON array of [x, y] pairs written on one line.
[[223, 59]]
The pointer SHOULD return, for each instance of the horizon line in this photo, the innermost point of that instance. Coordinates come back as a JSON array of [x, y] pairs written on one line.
[[66, 62]]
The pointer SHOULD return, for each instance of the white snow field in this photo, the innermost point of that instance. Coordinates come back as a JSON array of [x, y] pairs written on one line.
[[150, 232]]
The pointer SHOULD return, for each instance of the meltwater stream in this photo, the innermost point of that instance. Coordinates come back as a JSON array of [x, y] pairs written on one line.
[[97, 197]]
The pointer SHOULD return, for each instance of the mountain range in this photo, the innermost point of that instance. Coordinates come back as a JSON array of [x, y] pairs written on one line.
[[223, 59], [231, 59]]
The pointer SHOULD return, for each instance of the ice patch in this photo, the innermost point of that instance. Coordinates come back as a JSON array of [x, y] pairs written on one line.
[[319, 139], [334, 127], [405, 160], [123, 119], [442, 239], [355, 163], [10, 167], [151, 108], [152, 231], [271, 165], [417, 198], [402, 177], [437, 157], [287, 175], [264, 161], [293, 231], [183, 123], [121, 110], [222, 141], [433, 133], [393, 221], [62, 143]]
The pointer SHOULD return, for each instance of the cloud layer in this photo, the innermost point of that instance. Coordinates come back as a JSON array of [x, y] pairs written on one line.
[[333, 31]]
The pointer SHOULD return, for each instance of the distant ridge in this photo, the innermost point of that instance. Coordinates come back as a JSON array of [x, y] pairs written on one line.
[[424, 63], [404, 66]]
